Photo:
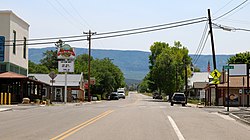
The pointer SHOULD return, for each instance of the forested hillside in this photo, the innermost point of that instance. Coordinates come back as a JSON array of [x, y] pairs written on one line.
[[134, 64]]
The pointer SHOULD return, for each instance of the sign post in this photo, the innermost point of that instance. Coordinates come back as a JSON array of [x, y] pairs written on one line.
[[228, 68], [52, 75], [67, 54]]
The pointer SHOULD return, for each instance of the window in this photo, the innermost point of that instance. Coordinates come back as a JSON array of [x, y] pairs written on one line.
[[24, 47], [14, 42]]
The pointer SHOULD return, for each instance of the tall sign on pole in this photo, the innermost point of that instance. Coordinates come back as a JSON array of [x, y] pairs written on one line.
[[66, 55]]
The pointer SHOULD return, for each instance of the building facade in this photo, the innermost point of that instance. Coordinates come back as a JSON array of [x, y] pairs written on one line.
[[55, 92], [14, 33]]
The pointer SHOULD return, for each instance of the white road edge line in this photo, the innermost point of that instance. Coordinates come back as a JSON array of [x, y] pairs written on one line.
[[176, 129]]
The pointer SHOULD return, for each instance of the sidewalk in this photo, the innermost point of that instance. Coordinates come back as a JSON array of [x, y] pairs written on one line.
[[29, 106]]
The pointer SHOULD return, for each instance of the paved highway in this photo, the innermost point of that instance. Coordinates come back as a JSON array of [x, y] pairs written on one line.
[[137, 117]]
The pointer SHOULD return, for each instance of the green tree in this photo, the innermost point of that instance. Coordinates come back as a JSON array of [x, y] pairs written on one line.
[[240, 58], [167, 65], [37, 68], [108, 76], [50, 60]]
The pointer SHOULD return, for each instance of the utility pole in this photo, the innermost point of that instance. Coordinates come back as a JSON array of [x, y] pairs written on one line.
[[213, 51], [89, 40], [248, 85]]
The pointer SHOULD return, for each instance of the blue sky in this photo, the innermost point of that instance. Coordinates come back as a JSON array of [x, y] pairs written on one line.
[[55, 18]]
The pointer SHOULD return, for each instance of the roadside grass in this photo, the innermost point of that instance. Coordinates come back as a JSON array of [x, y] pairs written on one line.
[[195, 101]]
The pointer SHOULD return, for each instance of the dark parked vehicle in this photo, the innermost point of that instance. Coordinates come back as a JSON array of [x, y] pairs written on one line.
[[178, 98], [113, 96]]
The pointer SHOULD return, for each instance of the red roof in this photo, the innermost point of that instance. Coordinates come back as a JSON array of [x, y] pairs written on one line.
[[11, 75]]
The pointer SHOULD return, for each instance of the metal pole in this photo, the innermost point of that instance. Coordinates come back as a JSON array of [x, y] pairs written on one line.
[[247, 85], [228, 90], [65, 88], [243, 93]]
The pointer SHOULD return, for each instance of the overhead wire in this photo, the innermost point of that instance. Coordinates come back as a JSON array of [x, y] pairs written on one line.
[[203, 46], [117, 35], [147, 27], [223, 7], [157, 29], [113, 32], [65, 17], [201, 42], [231, 10]]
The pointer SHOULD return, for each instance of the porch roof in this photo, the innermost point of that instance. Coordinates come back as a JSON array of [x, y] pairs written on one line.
[[12, 75], [73, 80]]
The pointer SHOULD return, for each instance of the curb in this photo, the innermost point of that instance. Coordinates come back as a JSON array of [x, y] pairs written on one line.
[[5, 109], [234, 117], [239, 119]]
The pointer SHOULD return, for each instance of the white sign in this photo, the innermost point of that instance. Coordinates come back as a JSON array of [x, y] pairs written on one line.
[[202, 94], [239, 70], [66, 66]]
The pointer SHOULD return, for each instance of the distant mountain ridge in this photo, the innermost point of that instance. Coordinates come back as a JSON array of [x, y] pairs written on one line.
[[134, 64]]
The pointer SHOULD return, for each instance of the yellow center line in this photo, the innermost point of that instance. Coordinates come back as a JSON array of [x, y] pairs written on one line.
[[80, 126]]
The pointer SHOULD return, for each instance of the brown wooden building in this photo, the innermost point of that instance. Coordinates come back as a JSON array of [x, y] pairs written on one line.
[[20, 87]]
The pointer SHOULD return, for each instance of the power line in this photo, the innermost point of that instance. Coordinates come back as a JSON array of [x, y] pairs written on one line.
[[65, 17], [203, 46], [231, 10], [72, 6], [223, 7], [147, 27], [124, 34], [139, 32], [201, 42], [49, 38], [112, 32], [69, 13]]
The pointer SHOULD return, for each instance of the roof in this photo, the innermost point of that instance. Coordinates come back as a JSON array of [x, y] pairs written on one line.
[[11, 75], [199, 77], [199, 85], [12, 13], [72, 79]]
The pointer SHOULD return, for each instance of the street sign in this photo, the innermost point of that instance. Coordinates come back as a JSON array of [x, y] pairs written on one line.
[[216, 81], [215, 74], [66, 66], [52, 75], [228, 67]]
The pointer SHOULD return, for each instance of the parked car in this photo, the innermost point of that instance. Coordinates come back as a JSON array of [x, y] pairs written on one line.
[[121, 94], [113, 96], [178, 98]]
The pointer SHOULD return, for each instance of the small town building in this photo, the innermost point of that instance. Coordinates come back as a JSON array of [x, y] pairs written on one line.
[[14, 33], [196, 83], [14, 83], [55, 90]]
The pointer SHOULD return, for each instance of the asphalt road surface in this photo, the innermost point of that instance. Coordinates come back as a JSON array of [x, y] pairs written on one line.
[[137, 117]]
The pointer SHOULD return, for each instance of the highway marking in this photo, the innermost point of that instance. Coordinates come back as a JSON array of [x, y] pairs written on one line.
[[80, 126], [176, 129]]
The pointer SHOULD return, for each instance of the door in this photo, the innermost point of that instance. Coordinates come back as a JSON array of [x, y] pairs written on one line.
[[58, 95]]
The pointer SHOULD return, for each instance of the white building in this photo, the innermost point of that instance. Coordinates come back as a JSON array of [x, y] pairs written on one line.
[[14, 33]]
